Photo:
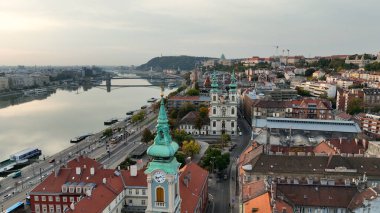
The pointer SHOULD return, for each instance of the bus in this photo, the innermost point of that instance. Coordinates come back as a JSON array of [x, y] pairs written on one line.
[[15, 207], [27, 200], [16, 174]]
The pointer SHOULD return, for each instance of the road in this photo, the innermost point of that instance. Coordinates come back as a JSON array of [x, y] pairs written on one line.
[[18, 188], [223, 192]]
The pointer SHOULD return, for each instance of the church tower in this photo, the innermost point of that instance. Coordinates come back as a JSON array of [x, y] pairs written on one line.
[[162, 171]]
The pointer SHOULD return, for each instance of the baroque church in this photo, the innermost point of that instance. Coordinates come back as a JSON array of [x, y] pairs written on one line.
[[223, 107]]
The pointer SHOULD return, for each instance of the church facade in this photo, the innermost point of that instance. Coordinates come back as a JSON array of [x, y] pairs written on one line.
[[223, 107]]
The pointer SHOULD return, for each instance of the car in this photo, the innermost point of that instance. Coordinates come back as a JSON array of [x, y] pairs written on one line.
[[233, 147], [52, 160]]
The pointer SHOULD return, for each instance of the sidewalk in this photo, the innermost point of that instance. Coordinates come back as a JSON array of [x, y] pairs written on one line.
[[234, 198], [204, 147]]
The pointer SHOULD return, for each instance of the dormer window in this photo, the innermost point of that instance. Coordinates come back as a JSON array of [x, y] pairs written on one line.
[[78, 190], [71, 189], [64, 189]]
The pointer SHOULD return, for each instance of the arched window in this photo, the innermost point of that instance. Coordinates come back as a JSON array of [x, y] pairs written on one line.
[[233, 111], [160, 194], [213, 111], [224, 111]]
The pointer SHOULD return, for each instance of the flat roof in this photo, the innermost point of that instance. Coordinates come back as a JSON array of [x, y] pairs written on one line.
[[308, 124]]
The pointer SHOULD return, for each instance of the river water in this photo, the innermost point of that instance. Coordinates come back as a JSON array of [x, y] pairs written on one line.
[[49, 124]]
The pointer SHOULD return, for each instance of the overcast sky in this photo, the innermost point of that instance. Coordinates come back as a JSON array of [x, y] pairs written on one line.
[[126, 32]]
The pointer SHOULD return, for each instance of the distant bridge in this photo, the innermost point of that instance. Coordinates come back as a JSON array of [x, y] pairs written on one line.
[[157, 79]]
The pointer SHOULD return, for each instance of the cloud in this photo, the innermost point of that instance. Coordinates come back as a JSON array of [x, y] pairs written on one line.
[[131, 32]]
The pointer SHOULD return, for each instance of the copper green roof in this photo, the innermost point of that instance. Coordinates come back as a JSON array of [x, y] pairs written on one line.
[[233, 81], [214, 82], [163, 146]]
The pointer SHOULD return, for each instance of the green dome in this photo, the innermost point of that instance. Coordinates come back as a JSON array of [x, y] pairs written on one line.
[[163, 151]]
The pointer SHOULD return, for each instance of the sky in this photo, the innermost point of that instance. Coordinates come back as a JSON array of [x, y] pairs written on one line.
[[130, 32]]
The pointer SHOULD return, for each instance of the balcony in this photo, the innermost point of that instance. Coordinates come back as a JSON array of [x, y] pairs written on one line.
[[159, 204]]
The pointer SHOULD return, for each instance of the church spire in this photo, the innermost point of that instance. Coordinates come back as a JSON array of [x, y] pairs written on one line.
[[163, 146], [233, 81], [214, 82]]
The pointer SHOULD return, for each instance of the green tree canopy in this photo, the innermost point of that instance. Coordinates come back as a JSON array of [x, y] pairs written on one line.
[[190, 148], [147, 136], [355, 106], [193, 92], [214, 158], [180, 135], [108, 132]]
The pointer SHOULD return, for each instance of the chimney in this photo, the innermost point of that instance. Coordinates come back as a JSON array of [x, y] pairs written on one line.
[[56, 171], [104, 180], [365, 144], [77, 170], [84, 166], [133, 170], [356, 141], [92, 171], [340, 140]]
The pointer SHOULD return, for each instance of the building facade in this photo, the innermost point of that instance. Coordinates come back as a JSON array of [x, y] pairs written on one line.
[[223, 108]]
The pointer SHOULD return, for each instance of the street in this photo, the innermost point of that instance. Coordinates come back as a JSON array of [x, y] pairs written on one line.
[[224, 192]]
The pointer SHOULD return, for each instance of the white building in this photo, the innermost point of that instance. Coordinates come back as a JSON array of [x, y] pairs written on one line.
[[318, 74], [4, 84], [289, 75], [317, 89], [344, 83], [223, 108]]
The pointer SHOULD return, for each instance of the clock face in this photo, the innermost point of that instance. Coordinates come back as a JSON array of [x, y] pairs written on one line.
[[159, 177]]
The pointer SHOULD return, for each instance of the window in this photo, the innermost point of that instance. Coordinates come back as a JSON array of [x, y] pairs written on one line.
[[214, 98], [130, 191], [143, 191], [232, 124], [214, 123], [78, 199], [65, 207], [137, 191], [71, 199], [143, 202], [213, 111], [37, 208], [233, 111], [43, 198], [50, 198], [51, 208], [57, 199], [71, 189], [36, 198], [64, 199], [78, 190], [44, 208], [130, 201], [58, 208], [160, 194], [233, 98], [64, 189]]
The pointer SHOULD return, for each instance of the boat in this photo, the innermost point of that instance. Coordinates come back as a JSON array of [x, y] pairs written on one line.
[[144, 107], [19, 160], [130, 112], [110, 121], [172, 84], [79, 139], [151, 100]]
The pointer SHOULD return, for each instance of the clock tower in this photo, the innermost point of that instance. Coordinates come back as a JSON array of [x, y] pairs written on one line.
[[162, 171]]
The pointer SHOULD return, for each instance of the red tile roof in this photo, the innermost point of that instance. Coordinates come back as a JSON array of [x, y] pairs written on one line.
[[309, 195], [254, 189], [191, 193], [184, 98], [358, 200], [102, 194], [260, 204], [287, 149], [338, 146]]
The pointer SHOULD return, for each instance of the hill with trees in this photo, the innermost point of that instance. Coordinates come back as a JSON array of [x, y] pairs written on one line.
[[182, 62]]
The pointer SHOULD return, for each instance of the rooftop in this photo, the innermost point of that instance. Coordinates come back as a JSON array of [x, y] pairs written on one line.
[[307, 124]]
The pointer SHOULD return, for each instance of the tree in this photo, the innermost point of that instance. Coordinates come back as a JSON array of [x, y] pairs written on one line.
[[193, 92], [180, 135], [181, 158], [214, 159], [190, 148], [184, 109], [108, 132], [302, 92], [355, 106], [225, 138], [138, 117], [309, 72], [147, 136]]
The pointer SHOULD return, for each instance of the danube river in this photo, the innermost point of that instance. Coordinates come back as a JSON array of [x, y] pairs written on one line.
[[49, 124]]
